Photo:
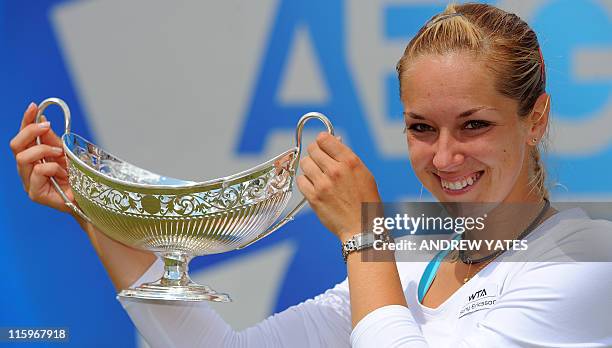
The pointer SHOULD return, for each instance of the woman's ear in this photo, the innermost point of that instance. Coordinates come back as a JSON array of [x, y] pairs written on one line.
[[538, 120]]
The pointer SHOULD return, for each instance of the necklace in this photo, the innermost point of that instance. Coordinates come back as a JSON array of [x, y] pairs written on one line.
[[485, 260], [467, 275]]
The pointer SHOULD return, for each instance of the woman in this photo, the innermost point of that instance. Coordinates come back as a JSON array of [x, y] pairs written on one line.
[[473, 88]]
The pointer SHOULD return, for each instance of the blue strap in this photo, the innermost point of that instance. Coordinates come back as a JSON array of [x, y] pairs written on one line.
[[430, 272]]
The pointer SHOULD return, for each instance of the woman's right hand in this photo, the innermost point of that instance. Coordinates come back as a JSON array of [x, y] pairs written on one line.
[[35, 174]]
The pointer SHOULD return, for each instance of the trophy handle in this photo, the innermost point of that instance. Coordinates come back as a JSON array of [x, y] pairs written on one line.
[[298, 143], [66, 110]]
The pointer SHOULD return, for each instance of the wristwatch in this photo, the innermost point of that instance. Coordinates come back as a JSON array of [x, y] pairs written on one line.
[[362, 241]]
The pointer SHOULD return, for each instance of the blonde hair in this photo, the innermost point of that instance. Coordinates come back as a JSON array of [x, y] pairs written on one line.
[[504, 42]]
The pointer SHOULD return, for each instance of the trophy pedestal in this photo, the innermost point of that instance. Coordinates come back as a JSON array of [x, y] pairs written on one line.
[[175, 284], [157, 291]]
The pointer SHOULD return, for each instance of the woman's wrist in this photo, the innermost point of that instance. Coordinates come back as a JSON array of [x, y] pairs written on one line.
[[348, 233]]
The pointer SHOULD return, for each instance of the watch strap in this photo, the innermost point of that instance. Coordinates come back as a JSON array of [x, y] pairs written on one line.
[[361, 241]]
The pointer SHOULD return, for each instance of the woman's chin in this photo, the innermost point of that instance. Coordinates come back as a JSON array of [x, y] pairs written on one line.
[[443, 197]]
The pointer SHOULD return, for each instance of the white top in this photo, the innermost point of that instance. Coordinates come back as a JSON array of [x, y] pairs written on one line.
[[552, 301]]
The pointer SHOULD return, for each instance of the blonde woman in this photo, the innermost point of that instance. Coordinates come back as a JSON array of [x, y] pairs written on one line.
[[476, 109]]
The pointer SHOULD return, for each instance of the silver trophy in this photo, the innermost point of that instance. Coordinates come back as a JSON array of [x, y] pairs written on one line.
[[177, 219]]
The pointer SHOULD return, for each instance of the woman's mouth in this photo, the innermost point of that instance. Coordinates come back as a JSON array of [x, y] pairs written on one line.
[[460, 185]]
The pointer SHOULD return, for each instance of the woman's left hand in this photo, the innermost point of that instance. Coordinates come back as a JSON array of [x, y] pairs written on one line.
[[335, 183]]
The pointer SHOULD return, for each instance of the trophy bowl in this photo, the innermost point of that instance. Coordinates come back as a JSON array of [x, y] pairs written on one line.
[[177, 219]]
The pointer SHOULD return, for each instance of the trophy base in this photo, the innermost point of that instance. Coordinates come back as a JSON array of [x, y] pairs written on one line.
[[192, 293]]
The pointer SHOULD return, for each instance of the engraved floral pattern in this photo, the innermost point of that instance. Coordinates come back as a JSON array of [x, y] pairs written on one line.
[[276, 178]]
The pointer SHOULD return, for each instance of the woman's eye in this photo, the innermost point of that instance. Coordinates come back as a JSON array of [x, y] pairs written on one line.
[[476, 124], [419, 128]]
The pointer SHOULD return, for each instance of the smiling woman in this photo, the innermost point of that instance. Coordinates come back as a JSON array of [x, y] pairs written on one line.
[[486, 71], [473, 89], [470, 131]]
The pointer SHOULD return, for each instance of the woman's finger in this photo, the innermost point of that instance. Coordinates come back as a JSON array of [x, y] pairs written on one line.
[[312, 171], [28, 158], [305, 186], [45, 170], [322, 159], [335, 148], [26, 137], [50, 138], [41, 191], [61, 160], [36, 153], [29, 115]]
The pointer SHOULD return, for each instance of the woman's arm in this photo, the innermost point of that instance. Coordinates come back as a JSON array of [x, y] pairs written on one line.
[[336, 183], [123, 264], [373, 285], [323, 321]]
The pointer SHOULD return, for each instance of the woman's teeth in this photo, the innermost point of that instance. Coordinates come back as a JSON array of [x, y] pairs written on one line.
[[460, 184]]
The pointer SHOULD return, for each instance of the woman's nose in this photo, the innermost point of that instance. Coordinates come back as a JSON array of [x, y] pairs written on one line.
[[447, 155]]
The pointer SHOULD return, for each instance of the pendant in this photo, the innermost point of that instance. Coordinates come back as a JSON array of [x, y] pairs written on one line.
[[465, 280]]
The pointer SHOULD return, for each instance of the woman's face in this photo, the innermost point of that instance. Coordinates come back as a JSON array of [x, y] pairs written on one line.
[[466, 141]]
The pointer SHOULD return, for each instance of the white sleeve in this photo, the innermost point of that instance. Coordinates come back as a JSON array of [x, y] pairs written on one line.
[[547, 304], [389, 326], [324, 321]]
